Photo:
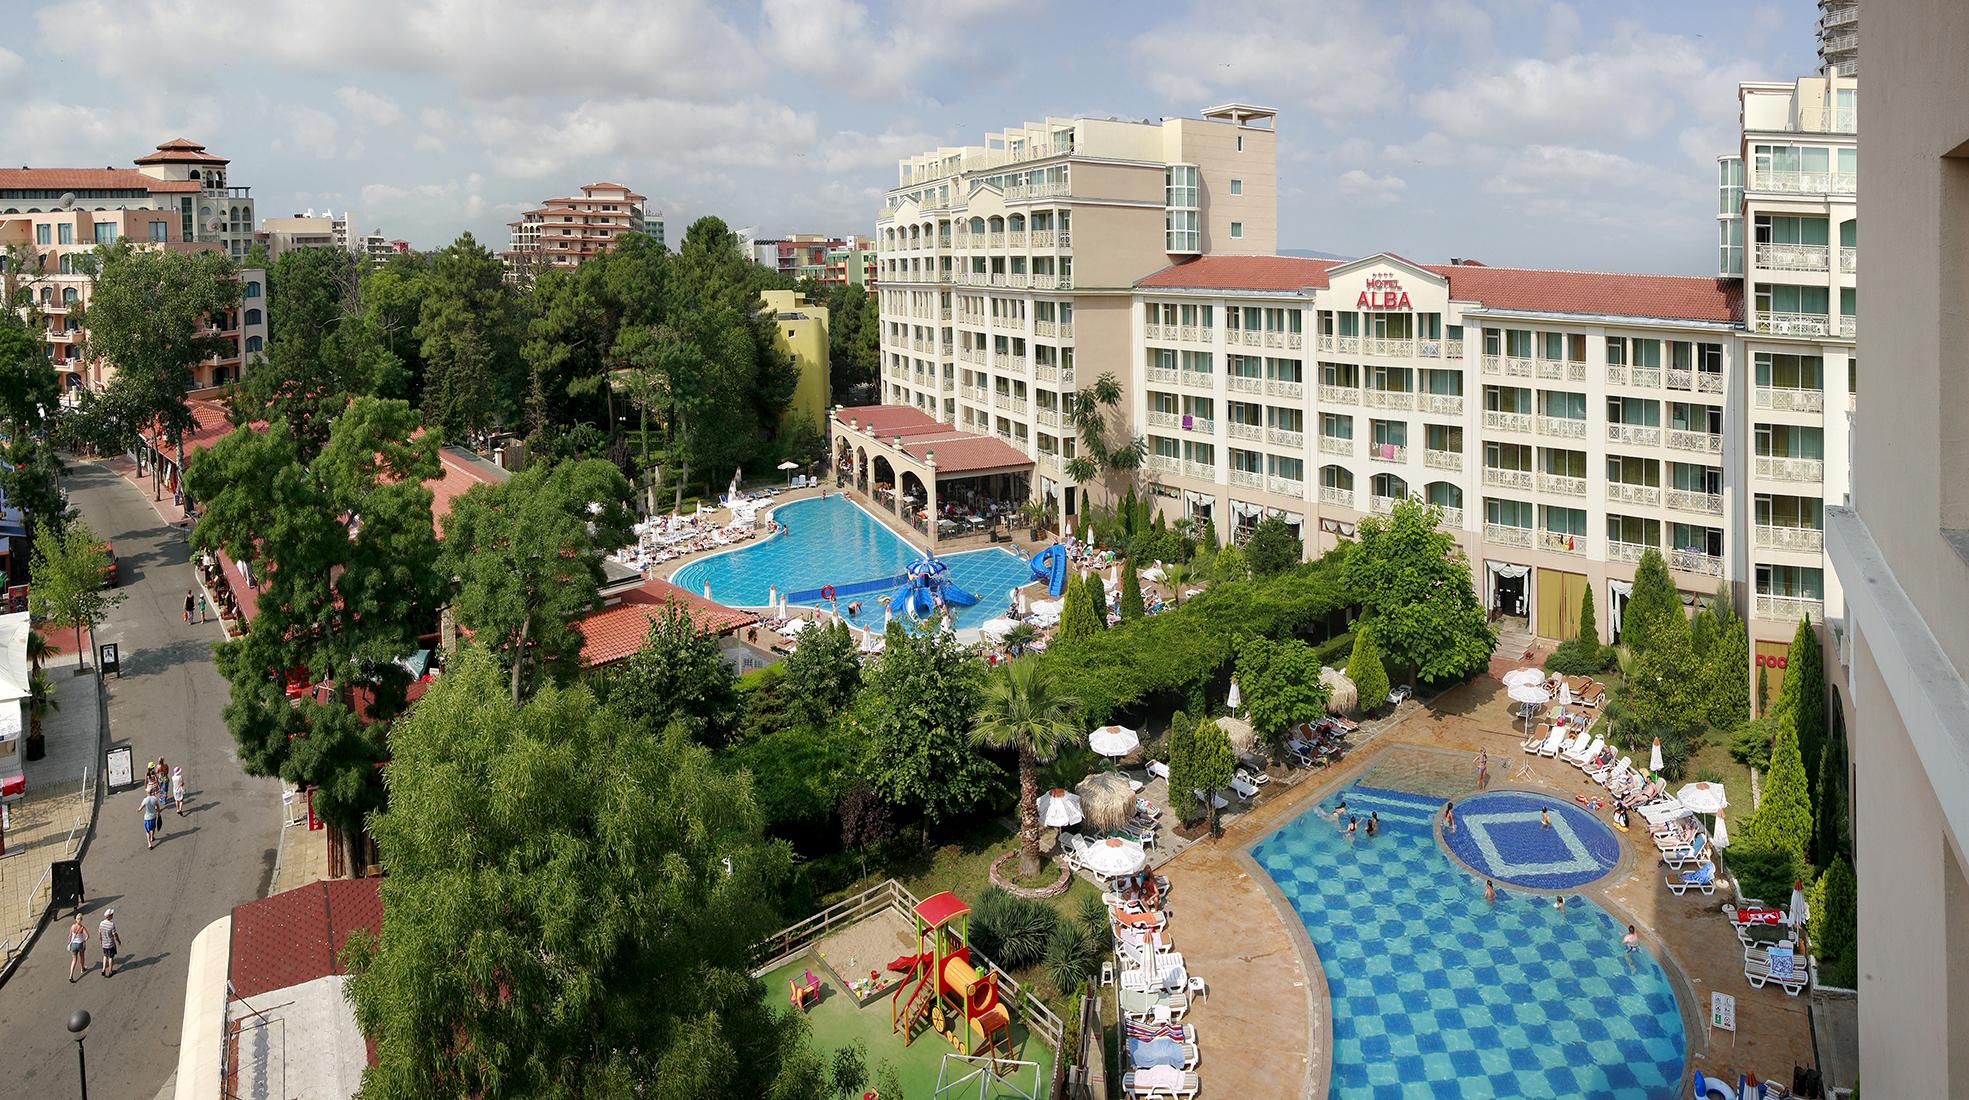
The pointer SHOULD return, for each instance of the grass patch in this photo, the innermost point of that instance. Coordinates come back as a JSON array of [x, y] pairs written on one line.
[[1714, 758]]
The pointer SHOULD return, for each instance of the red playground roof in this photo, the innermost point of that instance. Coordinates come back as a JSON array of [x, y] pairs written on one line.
[[938, 910]]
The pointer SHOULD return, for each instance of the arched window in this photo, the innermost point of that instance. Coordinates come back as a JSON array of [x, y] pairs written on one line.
[[252, 288], [977, 225], [1388, 485], [252, 316], [1446, 494], [47, 295], [70, 295], [67, 264], [252, 344]]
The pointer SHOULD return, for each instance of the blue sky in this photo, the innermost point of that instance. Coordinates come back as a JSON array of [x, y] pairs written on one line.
[[1526, 132]]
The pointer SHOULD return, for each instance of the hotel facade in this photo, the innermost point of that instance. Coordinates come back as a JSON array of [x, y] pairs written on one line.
[[567, 232], [1564, 421]]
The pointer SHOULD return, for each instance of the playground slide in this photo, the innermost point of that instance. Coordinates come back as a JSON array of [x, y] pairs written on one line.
[[1050, 565]]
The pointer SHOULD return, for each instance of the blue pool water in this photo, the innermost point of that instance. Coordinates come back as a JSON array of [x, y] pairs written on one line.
[[829, 540], [1500, 835], [1436, 993]]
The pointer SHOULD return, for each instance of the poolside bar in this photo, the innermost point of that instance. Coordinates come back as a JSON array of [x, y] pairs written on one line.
[[945, 483]]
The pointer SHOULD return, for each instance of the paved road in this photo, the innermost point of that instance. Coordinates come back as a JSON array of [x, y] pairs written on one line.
[[167, 702]]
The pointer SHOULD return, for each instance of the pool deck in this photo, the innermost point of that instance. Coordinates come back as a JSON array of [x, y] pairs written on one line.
[[1263, 1030]]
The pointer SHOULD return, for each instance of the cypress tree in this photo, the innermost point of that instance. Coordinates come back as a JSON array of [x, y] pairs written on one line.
[[1589, 623], [1726, 671], [1097, 598], [1783, 820], [1076, 613], [1367, 670], [1653, 600], [1131, 591], [1804, 686]]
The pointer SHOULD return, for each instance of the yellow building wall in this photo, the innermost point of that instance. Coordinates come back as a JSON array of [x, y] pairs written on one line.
[[800, 328]]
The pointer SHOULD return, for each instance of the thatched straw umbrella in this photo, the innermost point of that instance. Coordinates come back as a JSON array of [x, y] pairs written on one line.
[[1242, 736], [1106, 801], [1344, 697]]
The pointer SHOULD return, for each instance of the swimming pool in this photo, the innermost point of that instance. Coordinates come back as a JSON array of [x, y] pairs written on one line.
[[1437, 993], [830, 540]]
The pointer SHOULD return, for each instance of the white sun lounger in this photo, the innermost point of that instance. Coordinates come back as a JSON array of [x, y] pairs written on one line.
[[1703, 878], [1682, 854], [1158, 769], [1555, 743], [1579, 756], [1608, 776], [1757, 968], [1186, 1091], [1143, 1005], [1244, 787], [1666, 810]]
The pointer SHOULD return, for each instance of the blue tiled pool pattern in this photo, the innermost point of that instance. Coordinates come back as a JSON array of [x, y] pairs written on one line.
[[829, 540], [1436, 993], [1499, 835]]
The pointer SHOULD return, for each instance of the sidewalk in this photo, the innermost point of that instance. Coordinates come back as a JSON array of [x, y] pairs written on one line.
[[52, 818]]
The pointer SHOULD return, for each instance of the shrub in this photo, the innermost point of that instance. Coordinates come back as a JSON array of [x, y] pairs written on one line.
[[1335, 649], [1012, 931], [1783, 819], [1073, 955], [1763, 872], [1367, 670], [1272, 548], [1750, 745], [1834, 924], [1573, 658], [1094, 917], [1229, 565]]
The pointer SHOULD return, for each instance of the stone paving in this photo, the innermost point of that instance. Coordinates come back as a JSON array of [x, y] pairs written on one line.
[[1263, 1029], [53, 816]]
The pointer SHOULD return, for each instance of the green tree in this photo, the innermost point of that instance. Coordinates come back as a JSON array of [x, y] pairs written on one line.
[[1589, 620], [527, 553], [570, 907], [678, 676], [849, 1072], [1834, 924], [1367, 670], [392, 301], [1804, 692], [1651, 605], [1229, 565], [1726, 671], [1582, 654], [1280, 685], [1212, 764], [66, 578], [1097, 598], [1131, 591], [31, 481], [150, 313], [1273, 548], [1077, 614], [822, 674], [1414, 582], [1106, 451], [914, 716], [28, 388], [468, 330], [309, 291], [1183, 777], [1783, 818], [1660, 696], [1828, 805], [853, 341], [1025, 710]]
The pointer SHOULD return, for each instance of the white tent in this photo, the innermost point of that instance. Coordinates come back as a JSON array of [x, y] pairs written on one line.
[[13, 657]]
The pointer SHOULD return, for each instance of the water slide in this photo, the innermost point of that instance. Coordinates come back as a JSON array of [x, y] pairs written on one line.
[[1050, 565]]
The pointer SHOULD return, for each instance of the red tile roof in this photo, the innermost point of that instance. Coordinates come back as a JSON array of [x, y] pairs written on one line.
[[297, 936], [94, 179], [957, 451], [181, 150], [1538, 290], [459, 475], [614, 632], [884, 420]]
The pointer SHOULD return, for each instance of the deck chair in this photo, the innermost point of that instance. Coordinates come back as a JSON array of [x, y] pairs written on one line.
[[1579, 756], [1132, 1086], [1782, 967], [1703, 878]]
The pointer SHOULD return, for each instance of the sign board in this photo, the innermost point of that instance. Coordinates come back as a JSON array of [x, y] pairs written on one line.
[[65, 877], [1384, 292], [1723, 1011], [119, 768], [109, 659]]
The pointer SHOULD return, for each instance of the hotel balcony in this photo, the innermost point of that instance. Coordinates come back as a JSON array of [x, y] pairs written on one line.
[[1247, 479], [1808, 540], [1561, 543], [1156, 419], [1250, 433], [1339, 498], [1197, 380], [1809, 470], [1686, 500], [1642, 377], [1787, 609], [1558, 370], [1383, 346], [1286, 486], [1238, 383], [1453, 349], [1629, 552], [1849, 260], [1499, 478], [1383, 506], [1507, 366], [1794, 324], [1627, 492], [1561, 485], [1202, 471], [1252, 338], [1335, 445], [1792, 257], [1695, 381], [1690, 561], [1048, 418], [1788, 399], [1506, 535], [1802, 183], [974, 393], [1562, 427], [1388, 452], [1165, 464], [1047, 372], [1339, 395], [1401, 400], [1199, 425], [1443, 460], [1165, 375], [1441, 404], [1699, 442], [1277, 387], [1014, 405], [1507, 421]]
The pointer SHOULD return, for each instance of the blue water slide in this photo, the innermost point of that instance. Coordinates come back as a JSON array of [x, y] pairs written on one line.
[[1050, 565]]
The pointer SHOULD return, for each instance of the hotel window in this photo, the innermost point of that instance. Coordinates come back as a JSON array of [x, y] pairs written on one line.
[[65, 234], [1247, 366], [1445, 494], [1783, 298], [1806, 583], [1237, 186], [1784, 229], [1790, 372], [1245, 413], [1237, 231], [42, 233], [1630, 470], [1688, 477], [1772, 510], [1336, 426], [1287, 420], [1442, 437], [1181, 216], [1517, 343], [1240, 143], [160, 231], [1729, 233], [1508, 456], [1634, 410], [105, 232], [1684, 417], [1508, 513], [1285, 370], [1634, 531], [1729, 185], [1250, 462], [1388, 433], [1562, 405], [1564, 521], [1448, 383], [1790, 441], [1337, 477]]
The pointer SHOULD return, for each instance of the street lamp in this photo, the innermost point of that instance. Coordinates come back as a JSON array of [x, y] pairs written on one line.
[[78, 1026]]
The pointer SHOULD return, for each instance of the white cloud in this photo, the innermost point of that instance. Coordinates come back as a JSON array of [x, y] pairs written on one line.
[[1561, 30], [307, 132], [367, 107], [1330, 58], [1361, 188]]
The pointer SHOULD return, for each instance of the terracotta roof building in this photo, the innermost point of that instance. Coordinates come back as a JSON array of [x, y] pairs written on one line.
[[567, 232], [617, 629]]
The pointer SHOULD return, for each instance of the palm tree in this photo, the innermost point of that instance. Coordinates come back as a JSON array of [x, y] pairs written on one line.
[[1019, 637], [40, 700], [38, 649], [1024, 710]]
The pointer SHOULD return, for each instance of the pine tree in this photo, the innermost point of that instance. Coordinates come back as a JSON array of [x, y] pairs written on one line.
[[1783, 820], [1367, 670], [1763, 690], [1653, 600], [1589, 623], [1804, 689], [1076, 613], [1726, 671], [1097, 597], [1213, 762], [1182, 765], [1131, 591], [1828, 835]]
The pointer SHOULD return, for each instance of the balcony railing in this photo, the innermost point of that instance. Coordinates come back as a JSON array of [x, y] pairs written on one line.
[[1163, 419], [1561, 484], [1804, 183], [1809, 540], [1238, 383], [1442, 404], [1452, 518], [1793, 324], [1383, 506], [1278, 387], [1792, 257], [1626, 551], [1166, 464], [1203, 470], [1339, 498], [1515, 367], [1627, 492], [1561, 543], [1249, 432], [1453, 349], [1336, 445], [1247, 479], [1688, 500], [1562, 427], [1708, 443], [1281, 437], [1201, 425], [1789, 399], [1790, 469], [1381, 345], [1508, 535], [1187, 333], [1048, 418], [1326, 341], [973, 393], [1159, 332], [1199, 380], [1014, 405], [1286, 486], [1788, 609], [1442, 460], [1339, 395], [1507, 421], [1387, 452], [1168, 375], [1388, 399], [1500, 478], [1849, 327], [1849, 260], [1695, 561], [1695, 381]]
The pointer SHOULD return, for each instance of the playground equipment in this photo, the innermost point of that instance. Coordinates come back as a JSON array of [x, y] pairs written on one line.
[[1050, 565], [942, 986], [926, 587]]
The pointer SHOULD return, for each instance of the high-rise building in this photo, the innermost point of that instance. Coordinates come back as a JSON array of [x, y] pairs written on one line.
[[567, 232], [177, 197], [1839, 36], [309, 230], [1902, 548]]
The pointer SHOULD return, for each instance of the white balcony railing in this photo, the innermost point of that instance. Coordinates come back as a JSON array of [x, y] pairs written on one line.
[[1336, 445], [1789, 399], [1280, 437], [1339, 498], [1339, 395], [1793, 324], [1809, 540], [1442, 460], [1709, 443], [1695, 561], [1278, 387], [1788, 609], [1452, 518], [1247, 479], [1048, 418], [1695, 381], [1381, 345], [1849, 260], [1561, 543], [1250, 432], [1626, 551], [1790, 469], [1453, 349], [1163, 419], [1688, 500], [1383, 506], [1442, 404], [1388, 399], [1198, 380], [1507, 421], [1561, 484], [1562, 427], [1286, 486], [1202, 470], [1803, 183], [1500, 478], [1387, 452], [1166, 464], [1792, 257], [1515, 367], [1506, 535], [1627, 492], [1638, 435], [1239, 383]]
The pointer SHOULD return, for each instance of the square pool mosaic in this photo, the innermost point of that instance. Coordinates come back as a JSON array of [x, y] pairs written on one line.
[[1436, 993]]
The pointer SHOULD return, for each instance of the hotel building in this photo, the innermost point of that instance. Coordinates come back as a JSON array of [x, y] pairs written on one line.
[[176, 198], [1565, 421], [1903, 548], [309, 230], [567, 232]]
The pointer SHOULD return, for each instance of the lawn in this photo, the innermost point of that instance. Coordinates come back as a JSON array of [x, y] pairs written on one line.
[[1713, 760]]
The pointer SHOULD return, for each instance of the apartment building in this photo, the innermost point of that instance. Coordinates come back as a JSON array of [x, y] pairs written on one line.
[[567, 232], [179, 175], [831, 261], [309, 230], [379, 248], [1903, 547]]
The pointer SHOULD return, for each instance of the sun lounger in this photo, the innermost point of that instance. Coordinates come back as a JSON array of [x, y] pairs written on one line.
[[1342, 723], [1143, 1005], [1594, 694], [1754, 911], [1244, 787], [1684, 854], [1182, 1033], [1565, 743], [1137, 1086], [1769, 965], [1554, 740], [1663, 812], [1578, 757], [1671, 838], [1609, 776], [1220, 801], [1163, 1051], [1703, 878], [1256, 777], [1158, 769]]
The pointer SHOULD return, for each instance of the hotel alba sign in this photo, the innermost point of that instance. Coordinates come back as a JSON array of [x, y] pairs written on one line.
[[1383, 291]]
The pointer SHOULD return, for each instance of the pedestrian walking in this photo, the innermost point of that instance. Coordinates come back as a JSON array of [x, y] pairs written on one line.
[[78, 944], [178, 789], [201, 608], [151, 808], [1483, 769], [109, 940], [190, 603]]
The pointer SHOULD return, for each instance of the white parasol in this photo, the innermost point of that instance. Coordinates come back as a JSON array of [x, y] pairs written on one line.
[[1519, 677], [1720, 838], [1703, 798], [1115, 741], [1058, 808], [1530, 694], [997, 628], [1654, 756], [707, 590], [1113, 857], [782, 605], [1235, 697], [1800, 912], [1565, 694], [789, 464]]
